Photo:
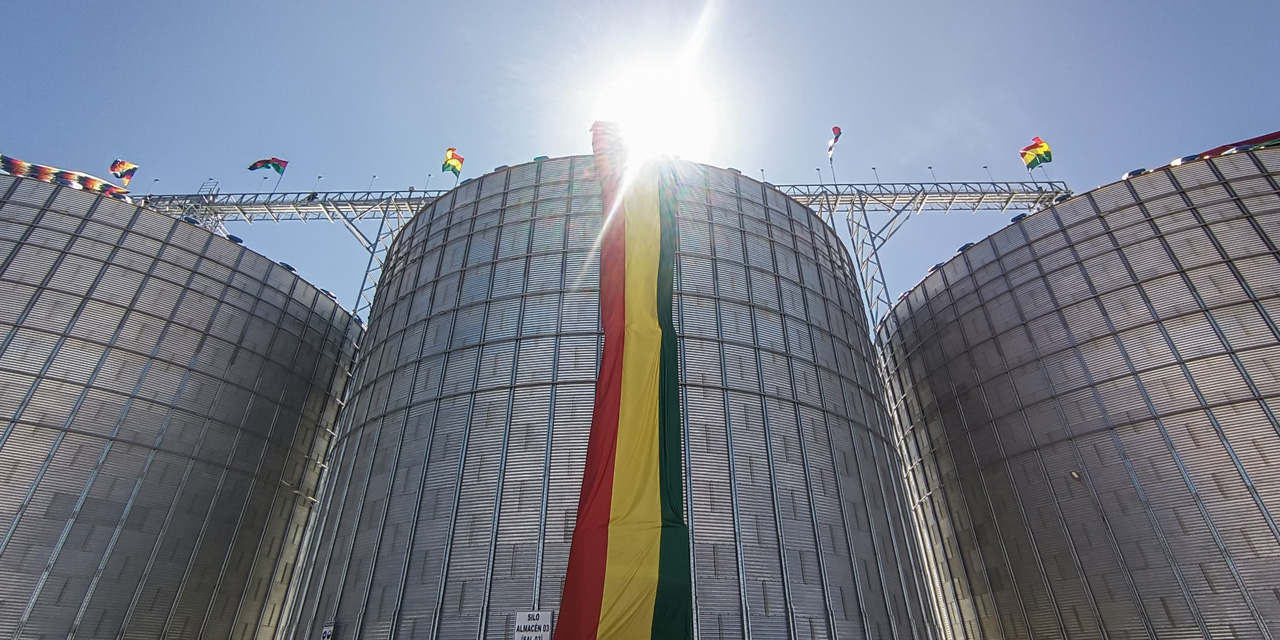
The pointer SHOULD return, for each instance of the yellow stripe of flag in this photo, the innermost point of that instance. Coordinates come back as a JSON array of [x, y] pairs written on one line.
[[635, 521]]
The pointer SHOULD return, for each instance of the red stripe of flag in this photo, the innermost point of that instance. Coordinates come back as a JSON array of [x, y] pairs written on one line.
[[584, 581]]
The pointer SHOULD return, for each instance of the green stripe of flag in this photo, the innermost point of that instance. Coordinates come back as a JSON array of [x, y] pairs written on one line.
[[673, 602]]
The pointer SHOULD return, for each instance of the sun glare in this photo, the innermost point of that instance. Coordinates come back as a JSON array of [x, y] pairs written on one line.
[[662, 109]]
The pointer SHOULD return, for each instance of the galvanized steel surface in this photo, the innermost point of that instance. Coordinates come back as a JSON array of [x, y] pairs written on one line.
[[1087, 403], [166, 398], [459, 459]]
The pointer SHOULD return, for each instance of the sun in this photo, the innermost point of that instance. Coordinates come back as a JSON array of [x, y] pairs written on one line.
[[662, 108]]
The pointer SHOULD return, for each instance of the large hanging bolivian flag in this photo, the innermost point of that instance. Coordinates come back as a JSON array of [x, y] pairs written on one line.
[[628, 573]]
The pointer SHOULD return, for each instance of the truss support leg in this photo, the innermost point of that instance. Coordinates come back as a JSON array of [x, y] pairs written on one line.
[[372, 271]]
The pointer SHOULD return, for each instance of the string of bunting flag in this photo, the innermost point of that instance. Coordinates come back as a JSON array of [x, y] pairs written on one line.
[[73, 179]]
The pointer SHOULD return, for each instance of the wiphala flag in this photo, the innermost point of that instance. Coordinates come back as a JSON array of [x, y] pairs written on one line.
[[72, 179], [123, 170]]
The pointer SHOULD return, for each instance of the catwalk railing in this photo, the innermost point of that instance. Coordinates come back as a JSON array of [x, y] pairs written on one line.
[[873, 212]]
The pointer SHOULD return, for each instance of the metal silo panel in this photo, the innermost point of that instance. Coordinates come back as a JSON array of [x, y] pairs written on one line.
[[775, 385], [147, 470], [1125, 410]]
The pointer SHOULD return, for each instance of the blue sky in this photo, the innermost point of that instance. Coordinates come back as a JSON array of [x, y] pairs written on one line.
[[348, 90]]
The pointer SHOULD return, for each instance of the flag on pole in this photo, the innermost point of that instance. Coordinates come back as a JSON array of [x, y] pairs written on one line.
[[270, 163], [123, 170], [629, 574], [452, 161], [1036, 153], [831, 146]]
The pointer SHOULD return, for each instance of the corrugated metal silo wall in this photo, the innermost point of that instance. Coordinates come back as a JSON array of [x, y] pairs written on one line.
[[165, 403], [459, 461], [1088, 408]]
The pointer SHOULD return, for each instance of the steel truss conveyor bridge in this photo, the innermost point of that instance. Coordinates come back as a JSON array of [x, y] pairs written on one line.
[[873, 212]]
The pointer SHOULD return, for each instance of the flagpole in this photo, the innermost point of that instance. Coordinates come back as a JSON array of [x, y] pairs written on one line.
[[830, 209], [277, 185], [1046, 172], [835, 186], [426, 186], [456, 178]]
